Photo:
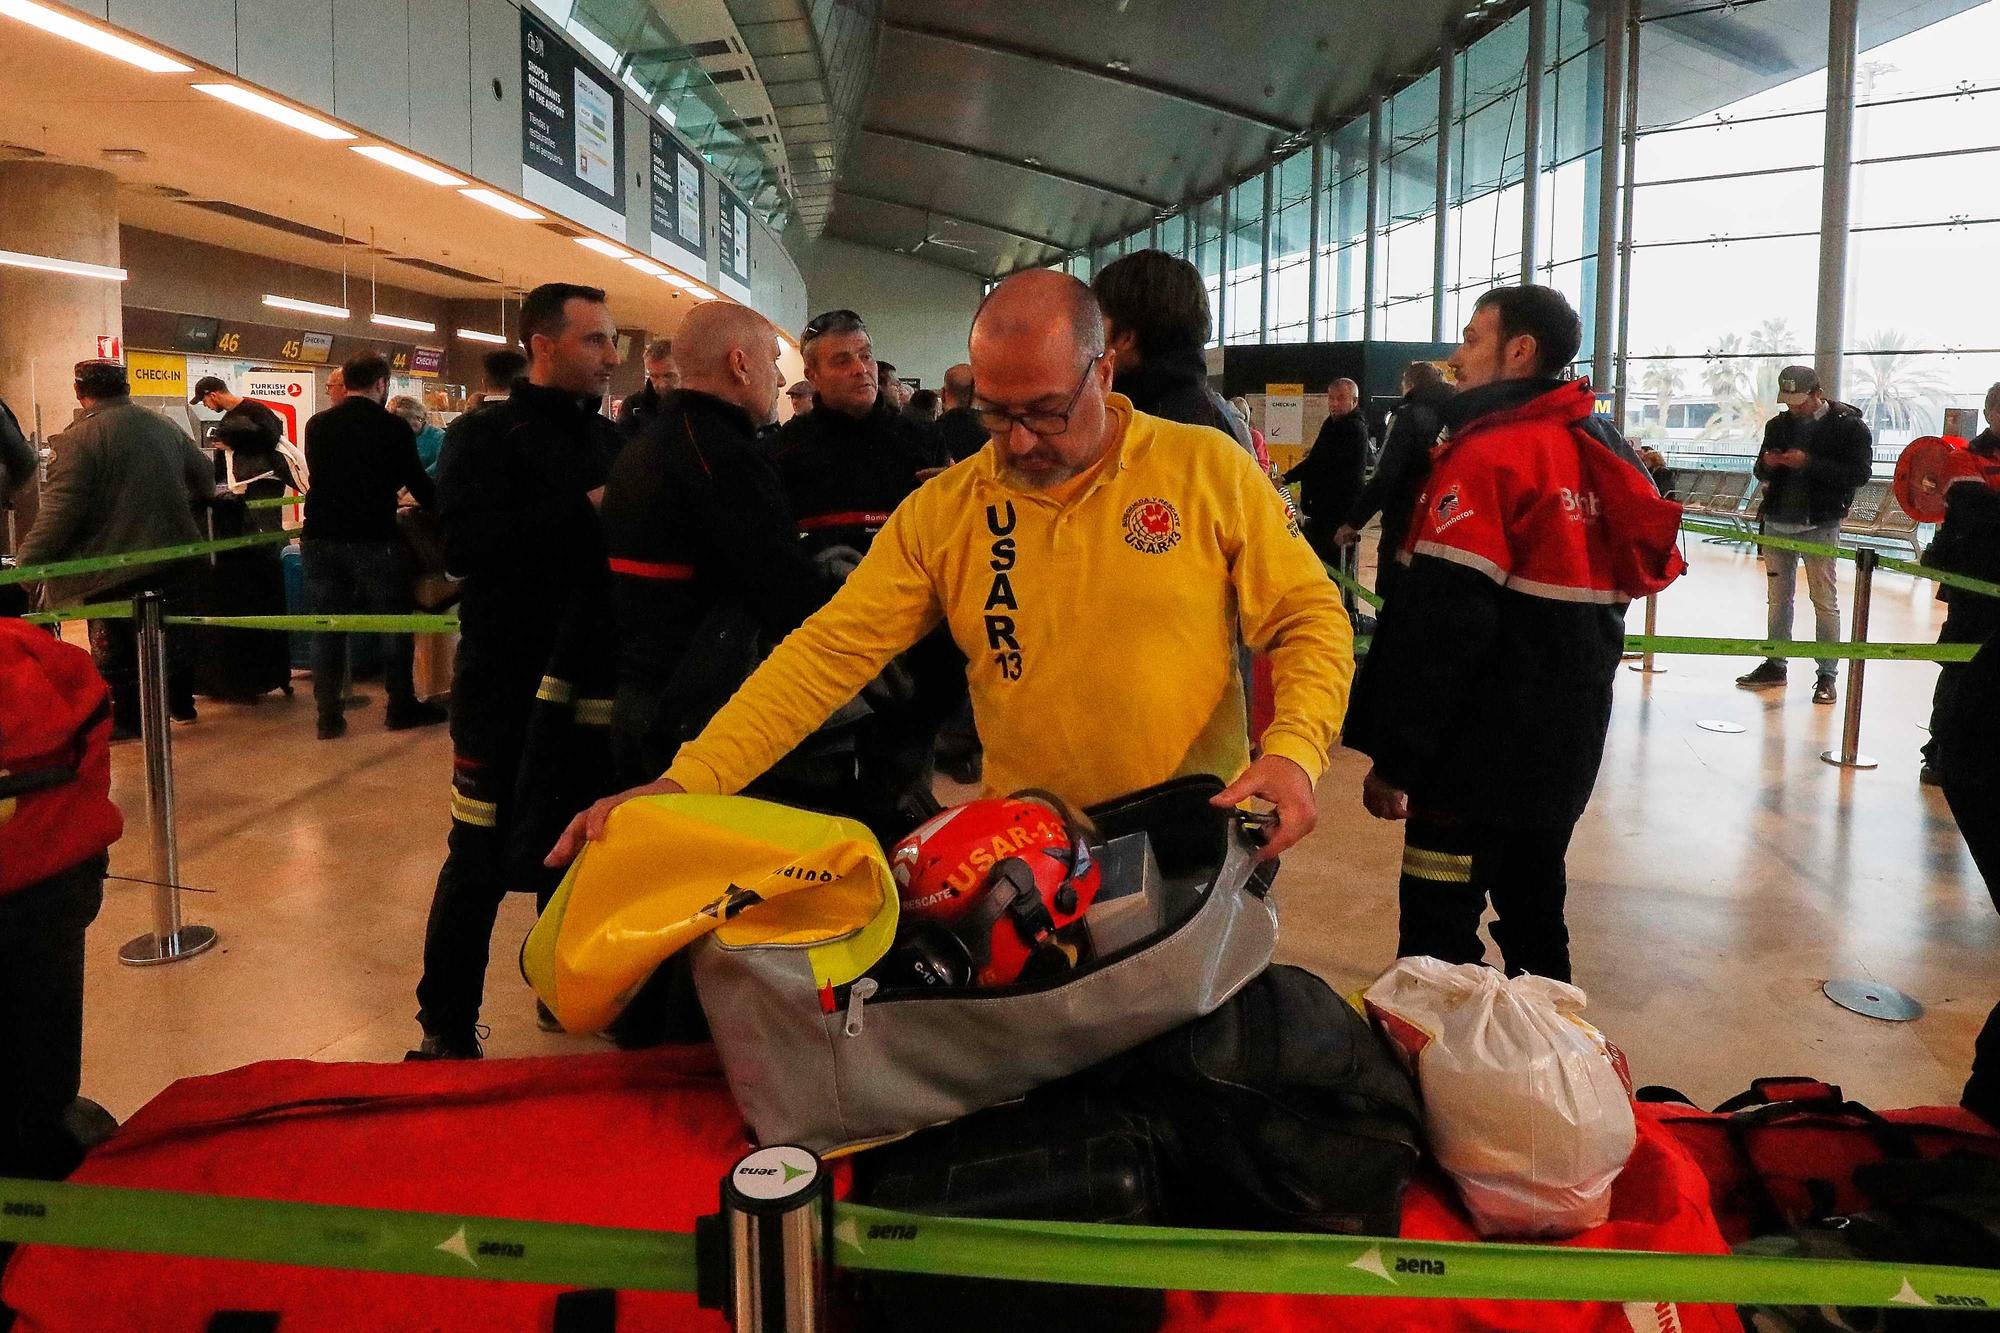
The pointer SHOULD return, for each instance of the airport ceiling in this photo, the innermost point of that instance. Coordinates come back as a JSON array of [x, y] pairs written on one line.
[[995, 137], [190, 166]]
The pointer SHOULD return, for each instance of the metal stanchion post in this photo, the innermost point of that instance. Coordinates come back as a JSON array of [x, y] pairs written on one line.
[[776, 1223], [169, 939], [1645, 663], [1849, 756]]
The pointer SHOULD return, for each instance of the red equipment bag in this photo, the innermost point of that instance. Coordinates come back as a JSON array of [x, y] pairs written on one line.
[[638, 1139], [55, 757], [1659, 1203], [1783, 1154]]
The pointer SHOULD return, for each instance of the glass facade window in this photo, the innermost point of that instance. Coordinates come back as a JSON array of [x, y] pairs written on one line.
[[1244, 303], [1343, 232], [1291, 248], [1725, 243]]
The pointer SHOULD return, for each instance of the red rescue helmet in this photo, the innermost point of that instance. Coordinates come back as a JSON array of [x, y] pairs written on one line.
[[1931, 465], [1006, 875]]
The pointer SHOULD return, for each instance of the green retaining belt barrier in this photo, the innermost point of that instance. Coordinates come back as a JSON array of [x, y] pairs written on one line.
[[1965, 581], [452, 1245], [1873, 652], [357, 624], [1174, 1259], [158, 555], [275, 502], [1353, 585], [92, 611], [100, 1217]]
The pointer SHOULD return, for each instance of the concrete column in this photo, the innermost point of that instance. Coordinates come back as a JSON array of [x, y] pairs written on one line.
[[1370, 256], [1441, 230], [52, 320], [1605, 327], [1830, 325], [1531, 160], [1315, 233]]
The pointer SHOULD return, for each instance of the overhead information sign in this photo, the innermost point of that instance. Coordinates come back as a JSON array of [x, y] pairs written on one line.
[[572, 132], [676, 205], [732, 245]]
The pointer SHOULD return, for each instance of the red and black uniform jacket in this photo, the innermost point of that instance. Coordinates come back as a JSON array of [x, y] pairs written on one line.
[[696, 521], [844, 475], [1486, 693]]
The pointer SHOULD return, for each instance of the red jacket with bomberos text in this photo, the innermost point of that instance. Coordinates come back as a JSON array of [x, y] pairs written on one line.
[[1486, 693]]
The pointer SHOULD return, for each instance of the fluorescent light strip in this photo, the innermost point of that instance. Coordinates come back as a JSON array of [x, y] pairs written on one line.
[[273, 110], [680, 282], [408, 165], [602, 247], [496, 200], [105, 43], [646, 266], [305, 307], [398, 322], [481, 336], [73, 267]]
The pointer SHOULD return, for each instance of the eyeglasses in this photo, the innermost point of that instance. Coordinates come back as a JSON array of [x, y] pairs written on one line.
[[834, 321], [1000, 424]]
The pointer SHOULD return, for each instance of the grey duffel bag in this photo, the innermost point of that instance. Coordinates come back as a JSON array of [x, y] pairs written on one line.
[[847, 1066]]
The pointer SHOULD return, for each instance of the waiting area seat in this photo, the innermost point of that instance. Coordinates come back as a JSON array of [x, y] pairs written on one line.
[[1735, 499]]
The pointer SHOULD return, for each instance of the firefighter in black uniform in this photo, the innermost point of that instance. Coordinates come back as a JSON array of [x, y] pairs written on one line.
[[845, 466], [1485, 698], [705, 561], [519, 482]]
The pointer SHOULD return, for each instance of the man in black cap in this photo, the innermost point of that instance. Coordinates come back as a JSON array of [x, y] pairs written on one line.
[[1816, 454], [212, 392]]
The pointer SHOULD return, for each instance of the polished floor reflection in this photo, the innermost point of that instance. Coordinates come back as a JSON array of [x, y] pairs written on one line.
[[1716, 882]]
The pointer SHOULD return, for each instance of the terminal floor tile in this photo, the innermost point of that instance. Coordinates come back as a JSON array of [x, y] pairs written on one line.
[[1716, 882]]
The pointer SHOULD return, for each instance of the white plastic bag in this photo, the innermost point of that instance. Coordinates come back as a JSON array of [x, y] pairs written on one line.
[[1525, 1104]]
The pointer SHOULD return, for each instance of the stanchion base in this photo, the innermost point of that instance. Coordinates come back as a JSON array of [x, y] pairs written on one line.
[[1721, 727], [1859, 760], [1645, 670], [1871, 999], [149, 949]]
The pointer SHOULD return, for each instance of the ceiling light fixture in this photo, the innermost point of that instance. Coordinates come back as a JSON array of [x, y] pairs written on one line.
[[73, 267], [602, 246], [406, 164], [646, 266], [680, 282], [495, 200], [398, 322], [273, 110], [306, 307], [481, 336], [105, 43]]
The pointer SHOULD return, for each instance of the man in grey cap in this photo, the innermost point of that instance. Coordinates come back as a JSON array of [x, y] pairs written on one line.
[[801, 395], [1816, 454]]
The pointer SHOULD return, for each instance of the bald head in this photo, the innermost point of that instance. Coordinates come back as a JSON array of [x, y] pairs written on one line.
[[1038, 358], [1042, 303], [957, 390], [730, 352]]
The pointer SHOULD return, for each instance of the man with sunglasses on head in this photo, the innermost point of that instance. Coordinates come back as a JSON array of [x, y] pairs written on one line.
[[846, 465], [1097, 567]]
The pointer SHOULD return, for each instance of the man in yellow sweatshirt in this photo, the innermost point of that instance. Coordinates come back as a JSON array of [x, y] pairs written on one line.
[[1096, 566]]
